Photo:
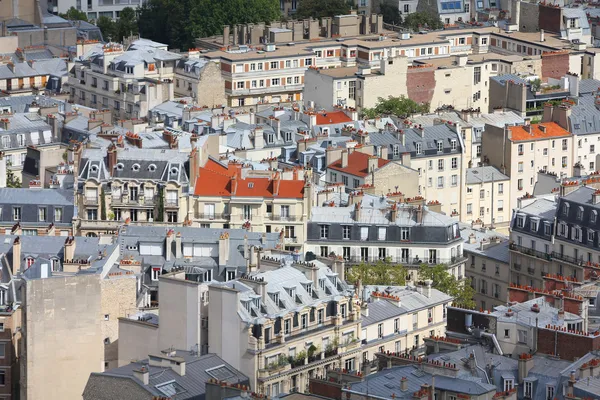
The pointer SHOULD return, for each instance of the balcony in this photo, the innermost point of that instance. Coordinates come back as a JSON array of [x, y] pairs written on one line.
[[90, 201], [530, 252], [290, 240], [407, 261], [213, 216], [576, 261], [516, 267], [290, 218], [141, 201], [171, 203], [531, 271]]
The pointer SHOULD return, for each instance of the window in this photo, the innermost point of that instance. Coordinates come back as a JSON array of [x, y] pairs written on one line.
[[343, 310], [346, 232], [320, 316], [454, 162], [275, 82], [287, 326], [528, 389], [522, 336], [507, 333], [419, 148], [520, 149], [500, 205], [404, 234], [440, 182], [155, 273], [381, 232], [42, 214], [304, 321], [172, 216], [324, 230], [16, 213], [396, 325], [477, 74], [440, 146], [454, 181], [440, 165], [92, 214], [520, 184], [380, 331], [549, 392], [469, 208], [482, 194], [508, 384], [349, 364]]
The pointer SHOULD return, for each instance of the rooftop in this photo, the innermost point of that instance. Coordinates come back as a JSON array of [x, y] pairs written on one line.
[[358, 164], [546, 130], [485, 174]]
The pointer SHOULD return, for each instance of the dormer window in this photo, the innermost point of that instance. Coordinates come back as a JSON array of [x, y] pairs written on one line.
[[152, 167], [275, 298], [580, 213], [593, 216], [440, 146], [120, 167], [250, 185], [520, 221], [565, 209], [247, 305], [453, 144], [94, 168], [174, 171], [534, 225], [291, 292], [30, 261], [419, 148], [135, 167], [396, 150], [322, 283], [309, 289]]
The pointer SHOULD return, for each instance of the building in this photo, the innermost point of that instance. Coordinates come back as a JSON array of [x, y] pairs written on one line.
[[356, 169], [404, 233], [288, 325], [200, 79], [93, 9], [486, 192], [184, 374], [37, 211], [326, 87], [528, 149], [137, 185], [488, 265], [435, 152], [226, 195]]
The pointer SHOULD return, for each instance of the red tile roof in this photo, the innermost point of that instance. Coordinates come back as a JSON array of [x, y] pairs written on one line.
[[552, 130], [334, 117], [211, 183], [358, 164]]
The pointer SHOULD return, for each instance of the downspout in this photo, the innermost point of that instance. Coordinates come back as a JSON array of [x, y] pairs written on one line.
[[496, 344], [481, 369]]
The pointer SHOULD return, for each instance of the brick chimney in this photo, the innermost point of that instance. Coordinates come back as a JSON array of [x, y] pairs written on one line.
[[357, 207], [5, 124], [526, 363], [223, 249], [16, 258], [112, 157]]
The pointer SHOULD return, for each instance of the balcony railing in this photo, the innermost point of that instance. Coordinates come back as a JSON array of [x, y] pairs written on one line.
[[171, 203], [88, 201], [530, 252], [213, 216], [406, 261], [138, 201], [577, 261], [290, 240], [531, 271], [285, 218], [517, 267]]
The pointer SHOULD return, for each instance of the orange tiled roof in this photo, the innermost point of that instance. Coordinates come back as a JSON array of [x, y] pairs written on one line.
[[334, 117], [211, 183], [358, 164], [552, 130]]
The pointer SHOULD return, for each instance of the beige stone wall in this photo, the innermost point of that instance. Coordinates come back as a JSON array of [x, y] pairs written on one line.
[[118, 299], [137, 339], [392, 82], [395, 174], [453, 87], [211, 86], [495, 273], [64, 342]]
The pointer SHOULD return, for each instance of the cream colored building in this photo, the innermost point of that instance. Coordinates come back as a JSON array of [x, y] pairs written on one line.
[[486, 198], [521, 151]]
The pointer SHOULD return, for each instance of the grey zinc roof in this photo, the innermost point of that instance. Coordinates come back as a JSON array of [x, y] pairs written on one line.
[[588, 86], [21, 104], [431, 134], [198, 370], [543, 208], [585, 116], [578, 13], [485, 174], [508, 77], [582, 195], [36, 196], [411, 299], [495, 251]]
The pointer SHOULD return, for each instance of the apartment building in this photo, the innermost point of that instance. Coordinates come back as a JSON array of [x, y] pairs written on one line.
[[532, 232], [137, 186], [36, 211], [292, 321], [400, 318], [486, 197], [527, 149], [435, 152], [326, 87], [487, 265], [94, 9], [226, 195], [199, 79], [402, 233]]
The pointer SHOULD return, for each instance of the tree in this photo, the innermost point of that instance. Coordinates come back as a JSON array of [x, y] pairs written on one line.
[[399, 106], [161, 205], [126, 25], [390, 12], [444, 282], [11, 180], [380, 273], [108, 28], [420, 20], [74, 14], [102, 205], [322, 8]]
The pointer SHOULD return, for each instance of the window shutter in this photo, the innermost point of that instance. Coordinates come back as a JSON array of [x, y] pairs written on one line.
[[278, 325]]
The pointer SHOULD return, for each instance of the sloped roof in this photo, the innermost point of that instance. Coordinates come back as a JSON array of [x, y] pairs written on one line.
[[358, 164], [552, 130], [334, 117]]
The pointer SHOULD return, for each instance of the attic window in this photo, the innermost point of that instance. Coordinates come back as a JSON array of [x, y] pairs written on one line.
[[174, 170], [291, 292], [135, 167], [94, 168], [120, 167], [151, 167], [275, 297], [250, 185]]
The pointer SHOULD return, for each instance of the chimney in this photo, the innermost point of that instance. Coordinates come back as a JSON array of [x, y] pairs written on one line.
[[404, 384], [571, 383], [596, 197], [419, 215], [548, 110], [401, 136], [373, 163], [16, 259], [142, 374], [259, 138], [427, 288], [357, 211], [542, 128], [276, 183], [168, 360], [223, 249], [526, 363], [561, 116], [542, 39], [5, 124], [394, 213], [406, 159], [112, 157], [178, 245], [234, 184], [169, 244], [344, 158], [69, 249]]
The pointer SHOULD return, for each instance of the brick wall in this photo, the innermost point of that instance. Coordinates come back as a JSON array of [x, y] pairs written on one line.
[[328, 390], [421, 84], [550, 18], [554, 65], [568, 346], [519, 296]]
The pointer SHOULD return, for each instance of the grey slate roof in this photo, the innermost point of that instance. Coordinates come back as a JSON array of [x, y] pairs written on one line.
[[588, 86], [192, 385], [502, 79], [585, 117], [494, 251], [17, 196], [485, 174]]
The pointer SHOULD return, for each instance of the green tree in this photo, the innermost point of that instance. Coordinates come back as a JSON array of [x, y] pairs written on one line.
[[322, 8], [380, 273], [11, 180], [161, 206], [445, 282], [108, 28], [399, 106], [74, 14], [126, 25], [390, 12], [422, 20], [102, 205]]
